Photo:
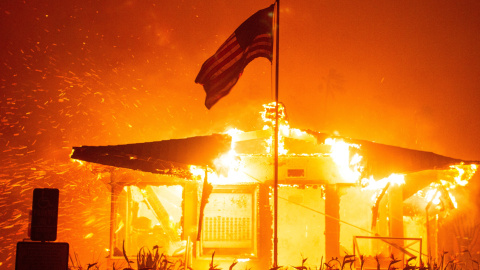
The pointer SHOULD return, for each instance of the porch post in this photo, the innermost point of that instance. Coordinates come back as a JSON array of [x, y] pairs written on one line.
[[395, 213], [190, 203], [332, 224], [113, 213]]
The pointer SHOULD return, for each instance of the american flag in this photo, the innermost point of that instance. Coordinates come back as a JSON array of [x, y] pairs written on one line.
[[252, 39]]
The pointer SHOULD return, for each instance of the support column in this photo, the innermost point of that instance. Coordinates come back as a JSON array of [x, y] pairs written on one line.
[[395, 217], [332, 224], [114, 190], [190, 215]]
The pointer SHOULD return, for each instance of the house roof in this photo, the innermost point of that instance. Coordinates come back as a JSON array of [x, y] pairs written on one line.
[[157, 156], [380, 160]]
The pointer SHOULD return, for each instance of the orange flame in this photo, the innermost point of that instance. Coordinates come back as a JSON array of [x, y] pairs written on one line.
[[349, 168], [228, 165], [465, 173], [268, 116], [393, 179], [459, 175], [78, 161]]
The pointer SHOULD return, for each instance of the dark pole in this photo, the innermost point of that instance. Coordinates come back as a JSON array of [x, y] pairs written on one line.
[[275, 188]]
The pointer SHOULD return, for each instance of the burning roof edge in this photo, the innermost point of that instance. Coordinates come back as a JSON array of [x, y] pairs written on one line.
[[381, 160], [157, 156]]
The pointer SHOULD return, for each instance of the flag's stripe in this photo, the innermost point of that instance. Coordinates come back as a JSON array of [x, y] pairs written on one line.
[[218, 57], [210, 100], [227, 75], [258, 24], [222, 87], [229, 51], [219, 67], [220, 81], [223, 53], [220, 92], [260, 48], [227, 45]]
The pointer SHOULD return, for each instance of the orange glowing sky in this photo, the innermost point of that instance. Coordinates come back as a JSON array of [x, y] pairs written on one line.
[[110, 72]]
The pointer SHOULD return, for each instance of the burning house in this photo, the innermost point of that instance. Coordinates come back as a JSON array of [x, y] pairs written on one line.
[[206, 195]]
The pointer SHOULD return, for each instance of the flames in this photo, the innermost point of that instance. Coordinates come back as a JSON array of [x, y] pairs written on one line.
[[350, 169], [268, 117], [441, 192], [284, 128], [350, 166], [372, 184], [345, 156], [228, 167], [464, 173]]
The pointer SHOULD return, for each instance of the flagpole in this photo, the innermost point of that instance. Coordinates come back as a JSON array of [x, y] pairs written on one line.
[[275, 188]]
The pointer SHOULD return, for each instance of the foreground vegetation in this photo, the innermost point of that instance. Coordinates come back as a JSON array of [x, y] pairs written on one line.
[[147, 260]]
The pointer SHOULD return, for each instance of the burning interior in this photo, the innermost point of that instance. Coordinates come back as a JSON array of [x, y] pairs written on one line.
[[337, 196]]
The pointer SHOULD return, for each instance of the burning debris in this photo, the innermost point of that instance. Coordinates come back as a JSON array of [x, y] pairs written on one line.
[[348, 188]]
